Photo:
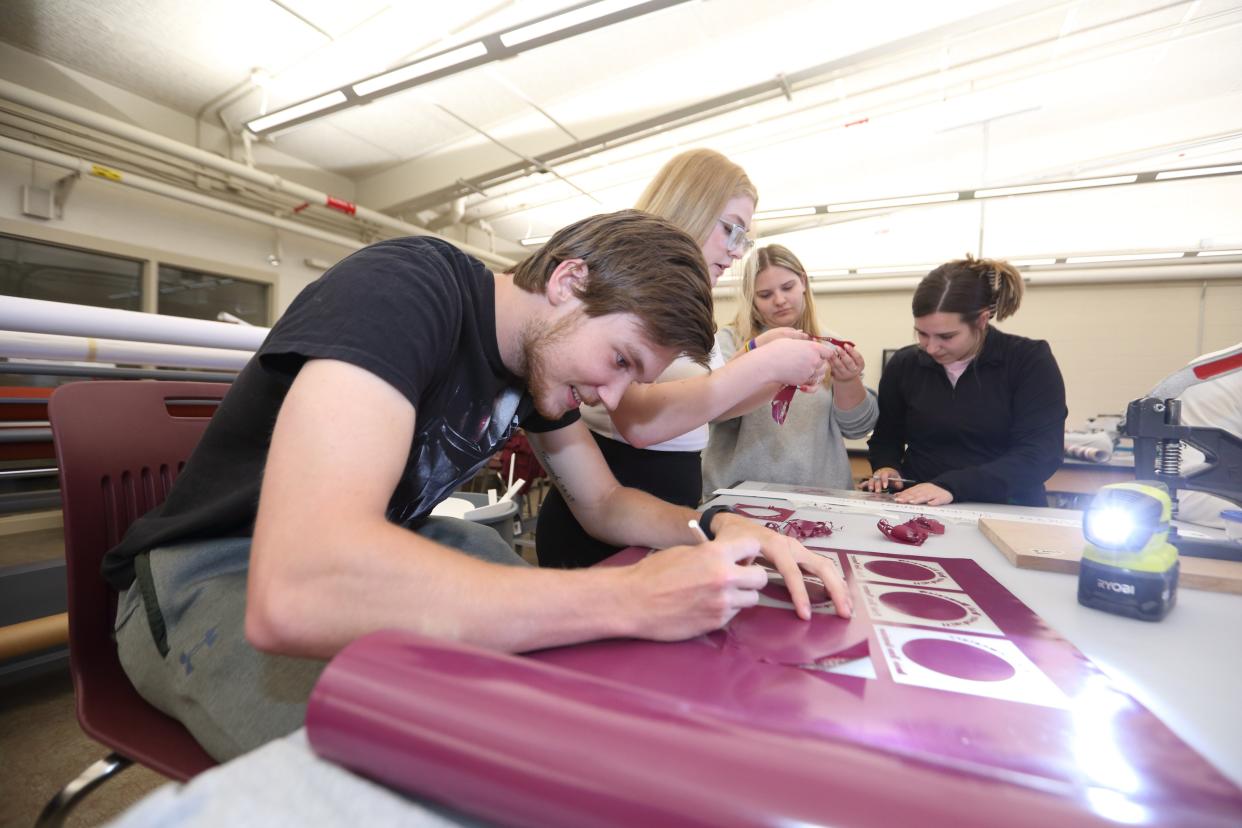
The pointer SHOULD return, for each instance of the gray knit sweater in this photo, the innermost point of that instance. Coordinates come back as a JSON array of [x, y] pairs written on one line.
[[807, 450]]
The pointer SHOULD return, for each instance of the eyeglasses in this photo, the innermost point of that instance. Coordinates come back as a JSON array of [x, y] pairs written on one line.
[[738, 241]]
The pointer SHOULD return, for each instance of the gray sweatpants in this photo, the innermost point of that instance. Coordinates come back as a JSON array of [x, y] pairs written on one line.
[[229, 695]]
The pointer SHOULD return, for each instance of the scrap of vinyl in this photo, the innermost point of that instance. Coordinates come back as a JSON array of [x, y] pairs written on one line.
[[903, 571], [989, 667], [763, 511]]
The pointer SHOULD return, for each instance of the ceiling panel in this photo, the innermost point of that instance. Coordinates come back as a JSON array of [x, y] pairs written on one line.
[[178, 54], [887, 98]]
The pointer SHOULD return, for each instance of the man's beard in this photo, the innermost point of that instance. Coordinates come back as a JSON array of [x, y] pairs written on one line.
[[538, 341]]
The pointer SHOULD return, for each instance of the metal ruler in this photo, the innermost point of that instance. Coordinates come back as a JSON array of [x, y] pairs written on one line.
[[867, 505]]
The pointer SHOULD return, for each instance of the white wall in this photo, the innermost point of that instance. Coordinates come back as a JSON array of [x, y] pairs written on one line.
[[1113, 342]]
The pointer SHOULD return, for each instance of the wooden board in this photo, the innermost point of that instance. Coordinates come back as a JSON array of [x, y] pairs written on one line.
[[1059, 548]]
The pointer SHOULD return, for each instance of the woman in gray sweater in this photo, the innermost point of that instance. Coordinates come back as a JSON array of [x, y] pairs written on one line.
[[808, 448]]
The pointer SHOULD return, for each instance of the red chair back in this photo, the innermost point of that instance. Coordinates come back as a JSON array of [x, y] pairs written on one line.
[[120, 446]]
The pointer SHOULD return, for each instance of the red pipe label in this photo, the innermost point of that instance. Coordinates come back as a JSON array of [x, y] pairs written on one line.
[[346, 207]]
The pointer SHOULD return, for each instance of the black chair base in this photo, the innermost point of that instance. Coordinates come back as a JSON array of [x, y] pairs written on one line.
[[57, 810]]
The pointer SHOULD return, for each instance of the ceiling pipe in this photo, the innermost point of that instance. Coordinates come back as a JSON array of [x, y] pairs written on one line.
[[150, 185], [455, 213], [85, 117]]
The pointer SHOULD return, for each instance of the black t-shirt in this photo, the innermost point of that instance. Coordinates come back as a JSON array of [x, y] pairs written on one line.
[[416, 312]]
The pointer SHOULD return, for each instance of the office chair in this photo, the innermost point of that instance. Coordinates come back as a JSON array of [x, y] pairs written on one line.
[[119, 446]]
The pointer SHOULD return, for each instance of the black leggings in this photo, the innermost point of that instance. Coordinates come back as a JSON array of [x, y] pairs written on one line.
[[675, 476]]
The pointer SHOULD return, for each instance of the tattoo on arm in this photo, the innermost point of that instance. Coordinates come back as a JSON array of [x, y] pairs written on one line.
[[554, 475]]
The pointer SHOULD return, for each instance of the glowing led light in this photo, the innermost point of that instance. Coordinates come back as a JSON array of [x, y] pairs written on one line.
[[1109, 526]]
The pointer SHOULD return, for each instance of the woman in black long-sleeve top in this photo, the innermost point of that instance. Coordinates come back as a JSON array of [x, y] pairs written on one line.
[[970, 413]]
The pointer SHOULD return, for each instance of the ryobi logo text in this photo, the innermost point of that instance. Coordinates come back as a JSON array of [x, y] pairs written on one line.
[[1115, 586]]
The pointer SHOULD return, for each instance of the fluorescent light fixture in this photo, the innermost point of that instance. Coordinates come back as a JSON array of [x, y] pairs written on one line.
[[892, 202], [565, 20], [1219, 253], [789, 213], [841, 271], [534, 241], [585, 17], [1052, 186], [1123, 257], [923, 268], [1031, 262], [421, 68], [1168, 174], [296, 111]]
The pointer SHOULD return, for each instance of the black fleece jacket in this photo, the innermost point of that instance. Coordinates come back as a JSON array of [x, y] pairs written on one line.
[[994, 438]]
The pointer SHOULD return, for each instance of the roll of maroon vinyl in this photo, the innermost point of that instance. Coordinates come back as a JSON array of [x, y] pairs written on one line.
[[518, 742]]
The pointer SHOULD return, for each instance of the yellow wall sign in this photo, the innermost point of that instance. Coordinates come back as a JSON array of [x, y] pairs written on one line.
[[105, 172]]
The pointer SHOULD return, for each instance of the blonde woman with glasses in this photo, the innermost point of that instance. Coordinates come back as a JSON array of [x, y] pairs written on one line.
[[653, 438], [808, 447]]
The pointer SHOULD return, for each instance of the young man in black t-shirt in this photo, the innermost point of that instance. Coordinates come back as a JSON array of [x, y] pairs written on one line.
[[302, 522]]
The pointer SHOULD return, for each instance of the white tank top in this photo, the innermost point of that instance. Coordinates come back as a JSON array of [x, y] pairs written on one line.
[[599, 420]]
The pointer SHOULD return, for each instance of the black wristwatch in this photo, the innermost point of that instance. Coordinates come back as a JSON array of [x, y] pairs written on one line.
[[706, 518]]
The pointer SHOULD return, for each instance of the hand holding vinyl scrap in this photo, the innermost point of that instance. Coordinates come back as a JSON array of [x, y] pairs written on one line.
[[840, 358], [794, 358], [845, 362]]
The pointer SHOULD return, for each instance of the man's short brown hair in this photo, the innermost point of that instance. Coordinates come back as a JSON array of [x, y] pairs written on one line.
[[639, 264]]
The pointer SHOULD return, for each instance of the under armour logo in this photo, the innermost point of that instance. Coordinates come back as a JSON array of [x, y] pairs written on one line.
[[209, 638]]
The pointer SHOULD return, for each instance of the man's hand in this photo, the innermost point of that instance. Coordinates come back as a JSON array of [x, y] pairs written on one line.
[[685, 591], [925, 493], [790, 558]]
